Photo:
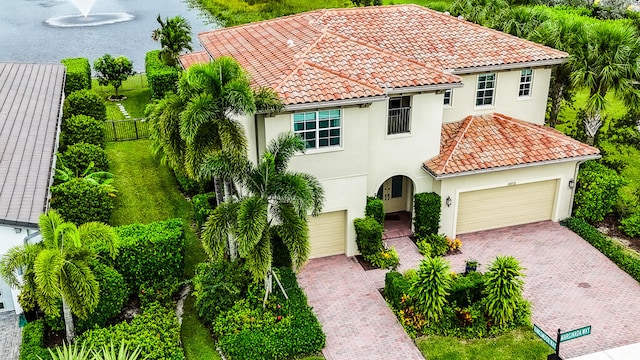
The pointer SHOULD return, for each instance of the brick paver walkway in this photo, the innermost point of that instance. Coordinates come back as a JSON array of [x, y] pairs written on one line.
[[354, 316], [10, 336], [570, 283]]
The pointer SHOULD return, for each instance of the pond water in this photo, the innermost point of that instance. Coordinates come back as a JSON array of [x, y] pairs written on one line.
[[31, 31]]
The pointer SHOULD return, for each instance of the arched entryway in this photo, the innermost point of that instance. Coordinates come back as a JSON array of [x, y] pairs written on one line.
[[397, 195]]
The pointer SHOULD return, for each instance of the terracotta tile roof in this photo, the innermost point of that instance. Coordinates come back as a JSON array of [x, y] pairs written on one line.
[[372, 49], [199, 57], [30, 103], [495, 141]]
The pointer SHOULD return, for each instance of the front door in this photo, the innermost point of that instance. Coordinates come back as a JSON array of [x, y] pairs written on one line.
[[6, 299], [391, 192]]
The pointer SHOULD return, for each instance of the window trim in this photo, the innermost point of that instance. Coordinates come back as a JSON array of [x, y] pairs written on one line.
[[493, 96], [450, 104], [409, 108], [530, 82], [318, 148]]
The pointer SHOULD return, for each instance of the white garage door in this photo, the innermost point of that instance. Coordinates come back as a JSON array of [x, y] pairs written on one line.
[[327, 234], [505, 206]]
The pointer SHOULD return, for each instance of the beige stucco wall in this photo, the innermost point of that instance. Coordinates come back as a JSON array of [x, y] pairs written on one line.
[[454, 186], [506, 100]]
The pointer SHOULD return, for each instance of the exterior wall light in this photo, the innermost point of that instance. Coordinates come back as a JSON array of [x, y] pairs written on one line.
[[571, 184], [448, 201]]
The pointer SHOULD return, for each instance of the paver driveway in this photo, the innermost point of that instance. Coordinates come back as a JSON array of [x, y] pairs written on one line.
[[354, 316], [10, 336], [570, 283]]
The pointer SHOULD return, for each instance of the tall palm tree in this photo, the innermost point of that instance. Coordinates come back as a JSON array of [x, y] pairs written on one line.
[[272, 200], [606, 58], [174, 35], [60, 265]]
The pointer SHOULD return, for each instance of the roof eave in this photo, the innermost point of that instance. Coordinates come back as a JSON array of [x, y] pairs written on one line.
[[423, 88], [511, 66], [509, 167], [334, 103]]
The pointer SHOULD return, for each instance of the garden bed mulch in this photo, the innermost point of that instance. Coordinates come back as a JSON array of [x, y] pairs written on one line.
[[610, 227], [366, 266]]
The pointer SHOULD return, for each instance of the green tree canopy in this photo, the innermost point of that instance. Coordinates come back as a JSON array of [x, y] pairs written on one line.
[[113, 71]]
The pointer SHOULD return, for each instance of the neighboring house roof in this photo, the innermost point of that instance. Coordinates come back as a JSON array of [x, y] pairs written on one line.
[[30, 107], [342, 54], [497, 142], [199, 57]]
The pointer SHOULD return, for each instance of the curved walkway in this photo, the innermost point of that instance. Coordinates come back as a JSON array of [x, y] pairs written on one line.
[[354, 315]]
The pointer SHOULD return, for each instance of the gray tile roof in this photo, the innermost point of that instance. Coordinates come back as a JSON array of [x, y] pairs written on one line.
[[30, 105]]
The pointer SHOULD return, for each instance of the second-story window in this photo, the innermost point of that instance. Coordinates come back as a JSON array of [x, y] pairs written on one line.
[[448, 97], [319, 129], [485, 92], [526, 77], [399, 121]]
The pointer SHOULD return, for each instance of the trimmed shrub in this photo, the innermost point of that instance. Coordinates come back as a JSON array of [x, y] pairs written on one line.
[[162, 78], [597, 191], [82, 129], [627, 260], [203, 205], [368, 236], [466, 289], [77, 158], [426, 220], [217, 286], [113, 294], [430, 287], [433, 245], [503, 289], [32, 347], [78, 76], [631, 225], [395, 286], [385, 259], [375, 209], [79, 201], [84, 102], [151, 258], [285, 330], [156, 332]]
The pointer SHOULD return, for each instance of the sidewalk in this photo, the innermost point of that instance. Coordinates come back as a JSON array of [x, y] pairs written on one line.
[[629, 352]]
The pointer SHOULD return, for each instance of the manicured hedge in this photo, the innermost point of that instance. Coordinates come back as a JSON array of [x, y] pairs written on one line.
[[368, 236], [113, 294], [597, 191], [203, 205], [156, 332], [82, 129], [298, 333], [79, 201], [162, 78], [626, 260], [84, 102], [375, 209], [151, 258], [32, 347], [77, 158], [395, 286], [426, 220], [78, 75]]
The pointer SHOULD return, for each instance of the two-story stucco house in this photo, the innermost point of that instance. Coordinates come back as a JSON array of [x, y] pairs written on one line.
[[31, 98], [399, 100]]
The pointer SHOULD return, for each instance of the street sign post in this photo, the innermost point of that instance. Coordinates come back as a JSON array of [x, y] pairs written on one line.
[[573, 334], [561, 337], [543, 335]]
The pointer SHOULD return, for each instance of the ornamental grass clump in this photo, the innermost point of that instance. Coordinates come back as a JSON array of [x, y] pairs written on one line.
[[503, 290], [431, 286]]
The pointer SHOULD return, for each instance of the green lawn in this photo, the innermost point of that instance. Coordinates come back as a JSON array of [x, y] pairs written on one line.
[[567, 117], [520, 344], [135, 89]]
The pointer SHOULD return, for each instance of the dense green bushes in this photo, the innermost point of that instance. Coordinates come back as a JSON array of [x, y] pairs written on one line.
[[80, 201], [597, 191], [626, 259], [113, 293], [395, 287], [162, 78], [426, 220], [151, 258], [32, 347], [78, 76], [77, 158], [156, 332], [375, 209], [433, 245], [84, 102], [370, 245], [82, 129], [203, 205], [287, 328]]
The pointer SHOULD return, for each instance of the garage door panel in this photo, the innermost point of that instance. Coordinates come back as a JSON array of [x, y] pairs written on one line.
[[505, 206], [327, 234]]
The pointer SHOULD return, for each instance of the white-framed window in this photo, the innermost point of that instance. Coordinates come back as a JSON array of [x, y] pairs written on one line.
[[526, 79], [399, 120], [486, 89], [319, 129], [448, 97]]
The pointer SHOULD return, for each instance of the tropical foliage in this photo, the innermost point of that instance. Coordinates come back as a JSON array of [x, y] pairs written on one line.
[[113, 71], [174, 35], [503, 289], [431, 286]]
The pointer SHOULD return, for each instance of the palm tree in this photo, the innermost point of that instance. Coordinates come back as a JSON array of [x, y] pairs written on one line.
[[60, 265], [277, 201], [606, 58], [174, 35]]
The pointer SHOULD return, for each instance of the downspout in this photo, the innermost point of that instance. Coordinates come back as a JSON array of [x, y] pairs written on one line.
[[575, 185], [255, 131]]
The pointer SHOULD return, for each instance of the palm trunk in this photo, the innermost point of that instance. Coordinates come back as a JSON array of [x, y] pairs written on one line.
[[219, 188], [556, 102], [592, 123], [231, 241], [68, 321]]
